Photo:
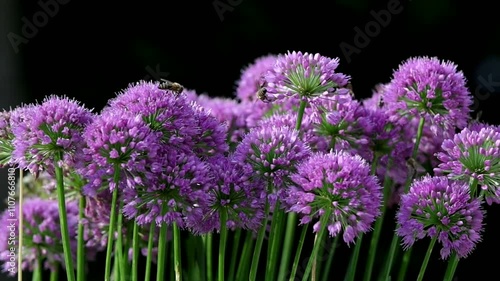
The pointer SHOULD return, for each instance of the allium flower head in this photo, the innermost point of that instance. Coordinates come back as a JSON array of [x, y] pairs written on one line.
[[211, 139], [180, 122], [272, 153], [440, 208], [428, 87], [474, 155], [6, 137], [118, 139], [305, 75], [179, 188], [252, 77], [41, 233], [41, 130], [165, 113], [340, 184], [232, 191]]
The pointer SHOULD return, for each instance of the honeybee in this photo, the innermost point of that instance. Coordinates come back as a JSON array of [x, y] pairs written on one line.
[[262, 94], [172, 86]]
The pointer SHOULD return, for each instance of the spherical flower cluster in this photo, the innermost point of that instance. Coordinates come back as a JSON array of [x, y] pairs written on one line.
[[474, 156], [41, 130], [443, 209], [118, 139], [181, 122], [177, 194], [272, 153], [251, 78], [232, 191], [306, 132], [305, 75], [41, 233], [339, 184], [169, 115], [433, 89], [211, 141], [344, 125]]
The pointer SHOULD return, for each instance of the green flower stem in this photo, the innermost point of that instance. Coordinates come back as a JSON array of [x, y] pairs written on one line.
[[201, 257], [426, 260], [222, 244], [331, 253], [452, 266], [351, 269], [291, 222], [300, 114], [234, 253], [404, 264], [116, 266], [322, 231], [112, 223], [177, 252], [147, 276], [246, 254], [377, 229], [296, 260], [135, 251], [291, 225], [80, 250], [277, 225], [258, 245], [419, 137], [122, 259], [162, 247], [68, 260], [37, 272], [54, 274], [395, 238], [209, 253]]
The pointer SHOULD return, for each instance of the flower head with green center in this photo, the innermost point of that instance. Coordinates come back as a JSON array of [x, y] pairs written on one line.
[[41, 130], [272, 153], [474, 155], [441, 208], [306, 75], [232, 191], [341, 184], [430, 88]]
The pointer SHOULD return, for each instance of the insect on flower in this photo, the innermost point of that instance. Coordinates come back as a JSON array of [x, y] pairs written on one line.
[[262, 95], [172, 86]]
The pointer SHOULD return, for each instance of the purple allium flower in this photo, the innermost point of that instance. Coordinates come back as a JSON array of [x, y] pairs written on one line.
[[211, 141], [272, 153], [341, 183], [119, 139], [474, 155], [41, 233], [167, 114], [252, 77], [232, 191], [306, 132], [181, 123], [440, 208], [305, 75], [179, 188], [41, 130], [6, 137], [343, 125], [430, 88]]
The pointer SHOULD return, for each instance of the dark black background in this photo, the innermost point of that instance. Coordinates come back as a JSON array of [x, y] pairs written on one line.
[[90, 50]]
